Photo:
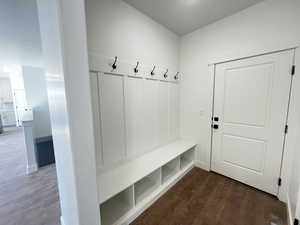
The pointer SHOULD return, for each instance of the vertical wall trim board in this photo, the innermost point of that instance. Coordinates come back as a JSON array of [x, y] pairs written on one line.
[[99, 118], [170, 88]]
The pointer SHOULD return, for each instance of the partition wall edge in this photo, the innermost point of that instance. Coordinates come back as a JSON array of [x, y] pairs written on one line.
[[63, 35]]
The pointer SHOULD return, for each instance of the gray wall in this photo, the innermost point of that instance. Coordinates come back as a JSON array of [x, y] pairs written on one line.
[[37, 98]]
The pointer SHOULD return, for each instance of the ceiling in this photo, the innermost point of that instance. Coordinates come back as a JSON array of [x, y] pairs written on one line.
[[185, 16]]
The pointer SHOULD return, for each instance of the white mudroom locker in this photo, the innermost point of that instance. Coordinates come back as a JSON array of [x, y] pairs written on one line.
[[171, 92]]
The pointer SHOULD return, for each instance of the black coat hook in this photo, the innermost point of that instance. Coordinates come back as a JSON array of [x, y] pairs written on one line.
[[165, 75], [136, 67], [176, 76], [114, 65], [152, 72]]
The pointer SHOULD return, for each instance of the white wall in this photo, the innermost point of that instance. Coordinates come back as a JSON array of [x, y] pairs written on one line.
[[116, 29], [20, 35], [37, 98], [63, 32], [268, 26]]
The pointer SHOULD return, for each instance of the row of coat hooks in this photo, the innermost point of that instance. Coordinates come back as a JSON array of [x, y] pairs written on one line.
[[136, 69]]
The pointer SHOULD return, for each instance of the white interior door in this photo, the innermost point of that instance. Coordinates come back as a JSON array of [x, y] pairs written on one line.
[[251, 101]]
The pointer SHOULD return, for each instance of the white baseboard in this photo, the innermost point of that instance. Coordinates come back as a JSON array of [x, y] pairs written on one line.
[[289, 212], [31, 168], [202, 165], [62, 221]]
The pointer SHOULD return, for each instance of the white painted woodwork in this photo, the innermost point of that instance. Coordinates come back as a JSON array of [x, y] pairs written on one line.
[[115, 180], [173, 111], [65, 63], [144, 187], [135, 117], [111, 89], [129, 202], [186, 158], [151, 113], [32, 165], [113, 209], [169, 169], [132, 114], [163, 113], [96, 116], [251, 100]]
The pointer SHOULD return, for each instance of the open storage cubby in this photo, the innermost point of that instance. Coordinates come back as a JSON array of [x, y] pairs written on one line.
[[147, 185], [128, 189], [170, 169], [187, 158], [116, 207]]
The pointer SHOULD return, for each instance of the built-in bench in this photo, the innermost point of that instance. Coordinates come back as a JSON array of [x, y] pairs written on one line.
[[126, 191]]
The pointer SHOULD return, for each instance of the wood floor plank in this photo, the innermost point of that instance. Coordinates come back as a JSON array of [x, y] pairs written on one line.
[[25, 199], [205, 198]]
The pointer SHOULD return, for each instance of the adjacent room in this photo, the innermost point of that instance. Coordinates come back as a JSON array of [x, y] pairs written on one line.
[[174, 112], [28, 184]]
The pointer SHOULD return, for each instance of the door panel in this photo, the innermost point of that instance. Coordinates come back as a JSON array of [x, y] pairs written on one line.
[[244, 152], [251, 101], [247, 104]]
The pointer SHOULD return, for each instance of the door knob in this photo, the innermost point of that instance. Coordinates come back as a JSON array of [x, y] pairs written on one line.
[[215, 126]]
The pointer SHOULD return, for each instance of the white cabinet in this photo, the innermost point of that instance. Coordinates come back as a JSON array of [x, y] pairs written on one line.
[[111, 90]]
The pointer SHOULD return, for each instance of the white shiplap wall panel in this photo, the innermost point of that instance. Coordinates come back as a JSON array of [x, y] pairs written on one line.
[[163, 113], [135, 121], [174, 111], [111, 89], [151, 115], [134, 113], [96, 116]]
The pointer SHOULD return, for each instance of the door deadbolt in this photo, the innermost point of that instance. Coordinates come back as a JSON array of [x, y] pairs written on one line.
[[215, 126]]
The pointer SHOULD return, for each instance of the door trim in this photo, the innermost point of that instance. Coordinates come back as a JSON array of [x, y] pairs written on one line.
[[250, 54], [212, 73]]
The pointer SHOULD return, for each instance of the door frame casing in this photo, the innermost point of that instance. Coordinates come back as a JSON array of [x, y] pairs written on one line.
[[285, 168]]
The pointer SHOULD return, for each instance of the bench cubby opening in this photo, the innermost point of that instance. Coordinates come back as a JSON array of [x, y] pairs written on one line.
[[187, 158], [170, 169], [117, 207], [144, 187]]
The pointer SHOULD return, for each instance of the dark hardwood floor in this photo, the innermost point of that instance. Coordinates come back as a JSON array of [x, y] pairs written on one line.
[[203, 198], [200, 198], [25, 199]]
